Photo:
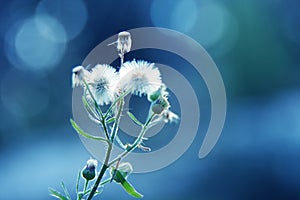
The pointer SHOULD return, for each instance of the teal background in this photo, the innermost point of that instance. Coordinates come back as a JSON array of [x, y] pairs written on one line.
[[255, 45]]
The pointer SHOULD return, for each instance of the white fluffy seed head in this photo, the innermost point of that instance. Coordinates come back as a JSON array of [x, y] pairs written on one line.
[[102, 83], [139, 77]]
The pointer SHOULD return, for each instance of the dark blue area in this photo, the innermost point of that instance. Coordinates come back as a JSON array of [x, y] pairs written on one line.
[[256, 50]]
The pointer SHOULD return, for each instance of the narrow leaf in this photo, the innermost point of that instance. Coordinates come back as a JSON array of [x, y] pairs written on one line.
[[89, 108], [127, 186], [120, 142], [56, 194], [96, 193], [114, 103], [77, 182], [65, 190], [134, 119], [81, 132], [110, 120]]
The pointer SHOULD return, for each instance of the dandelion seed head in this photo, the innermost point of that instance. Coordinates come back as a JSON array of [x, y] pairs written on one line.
[[139, 77], [102, 81]]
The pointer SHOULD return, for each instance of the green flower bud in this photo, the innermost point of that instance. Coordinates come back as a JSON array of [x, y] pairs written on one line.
[[157, 108], [125, 169], [159, 105], [89, 171], [161, 92]]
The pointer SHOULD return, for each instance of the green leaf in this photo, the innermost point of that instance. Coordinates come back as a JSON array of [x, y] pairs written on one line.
[[114, 103], [110, 120], [134, 119], [56, 194], [77, 182], [89, 108], [65, 190], [81, 132], [127, 186], [96, 193], [98, 110], [120, 142]]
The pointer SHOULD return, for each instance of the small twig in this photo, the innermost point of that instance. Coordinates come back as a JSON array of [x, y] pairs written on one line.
[[117, 121], [102, 171], [115, 170], [138, 140]]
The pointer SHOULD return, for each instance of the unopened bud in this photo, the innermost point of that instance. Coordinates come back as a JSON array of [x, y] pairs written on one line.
[[79, 74], [89, 171], [161, 92], [124, 42], [159, 105], [125, 169]]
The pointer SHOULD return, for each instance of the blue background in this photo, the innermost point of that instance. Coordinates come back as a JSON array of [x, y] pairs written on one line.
[[255, 45]]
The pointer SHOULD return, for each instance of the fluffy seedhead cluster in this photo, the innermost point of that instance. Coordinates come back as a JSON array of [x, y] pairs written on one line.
[[104, 85]]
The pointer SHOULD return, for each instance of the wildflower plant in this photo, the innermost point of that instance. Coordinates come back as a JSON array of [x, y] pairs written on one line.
[[104, 85]]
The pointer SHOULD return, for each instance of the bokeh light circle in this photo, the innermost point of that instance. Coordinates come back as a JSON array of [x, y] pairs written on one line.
[[178, 19], [37, 42], [209, 22], [182, 20], [72, 14]]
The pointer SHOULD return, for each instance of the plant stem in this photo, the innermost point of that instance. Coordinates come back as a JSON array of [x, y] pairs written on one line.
[[118, 117], [98, 111], [85, 185], [136, 142], [122, 58], [105, 166], [105, 128]]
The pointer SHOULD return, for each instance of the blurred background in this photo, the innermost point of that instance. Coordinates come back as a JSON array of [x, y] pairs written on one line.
[[255, 45]]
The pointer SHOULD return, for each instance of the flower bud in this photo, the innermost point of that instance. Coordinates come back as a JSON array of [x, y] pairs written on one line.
[[89, 172], [79, 74], [161, 92], [157, 108], [124, 42], [125, 169], [159, 105]]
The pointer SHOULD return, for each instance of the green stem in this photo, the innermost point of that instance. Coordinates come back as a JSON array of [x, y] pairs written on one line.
[[98, 110], [95, 187], [105, 128], [106, 181], [138, 140], [102, 171], [116, 101], [117, 121], [122, 59], [85, 186]]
